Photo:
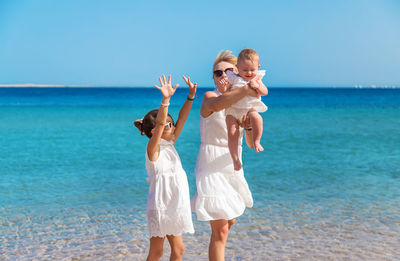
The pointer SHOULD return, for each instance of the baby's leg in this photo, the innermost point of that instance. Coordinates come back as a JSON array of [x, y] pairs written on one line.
[[177, 247], [156, 248], [233, 140], [256, 122]]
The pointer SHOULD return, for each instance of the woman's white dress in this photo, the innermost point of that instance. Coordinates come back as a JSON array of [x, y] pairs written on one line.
[[222, 192], [168, 202], [241, 107]]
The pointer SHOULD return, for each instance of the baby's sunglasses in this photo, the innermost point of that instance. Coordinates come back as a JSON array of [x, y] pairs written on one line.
[[218, 73]]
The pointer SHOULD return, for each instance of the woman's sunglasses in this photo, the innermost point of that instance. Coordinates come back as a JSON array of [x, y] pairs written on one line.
[[219, 73], [168, 124]]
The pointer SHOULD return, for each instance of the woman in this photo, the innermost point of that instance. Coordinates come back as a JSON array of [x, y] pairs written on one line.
[[222, 193]]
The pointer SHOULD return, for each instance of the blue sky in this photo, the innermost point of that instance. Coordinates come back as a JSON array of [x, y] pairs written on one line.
[[130, 43]]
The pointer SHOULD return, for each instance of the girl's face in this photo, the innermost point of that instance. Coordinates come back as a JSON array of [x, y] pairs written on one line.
[[168, 130], [248, 69], [219, 75]]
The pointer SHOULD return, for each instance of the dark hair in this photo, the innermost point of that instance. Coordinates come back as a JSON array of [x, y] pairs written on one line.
[[148, 123]]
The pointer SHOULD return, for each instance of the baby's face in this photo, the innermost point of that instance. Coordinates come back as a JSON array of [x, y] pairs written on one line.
[[248, 69]]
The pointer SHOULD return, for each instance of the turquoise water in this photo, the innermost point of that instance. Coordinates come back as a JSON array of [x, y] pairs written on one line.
[[72, 176]]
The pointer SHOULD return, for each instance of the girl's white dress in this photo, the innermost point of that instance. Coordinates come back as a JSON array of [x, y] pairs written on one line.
[[222, 192], [241, 107], [168, 202]]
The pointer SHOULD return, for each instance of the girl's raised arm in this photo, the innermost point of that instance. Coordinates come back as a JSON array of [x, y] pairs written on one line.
[[184, 112], [153, 147]]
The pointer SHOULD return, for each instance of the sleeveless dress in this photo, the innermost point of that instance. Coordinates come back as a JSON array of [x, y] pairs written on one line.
[[241, 107], [168, 202], [222, 192]]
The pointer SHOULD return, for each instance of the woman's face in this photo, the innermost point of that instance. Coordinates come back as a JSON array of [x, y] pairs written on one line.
[[220, 80]]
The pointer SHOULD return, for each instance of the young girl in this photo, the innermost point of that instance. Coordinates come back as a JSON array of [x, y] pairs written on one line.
[[168, 203], [247, 65]]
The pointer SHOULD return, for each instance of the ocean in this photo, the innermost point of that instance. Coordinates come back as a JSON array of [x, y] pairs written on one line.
[[72, 175]]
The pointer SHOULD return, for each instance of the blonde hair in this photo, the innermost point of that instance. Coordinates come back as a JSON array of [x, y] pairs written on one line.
[[248, 54], [225, 56]]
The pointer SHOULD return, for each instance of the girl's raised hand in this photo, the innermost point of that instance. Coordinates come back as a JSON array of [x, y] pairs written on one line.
[[166, 88], [192, 87]]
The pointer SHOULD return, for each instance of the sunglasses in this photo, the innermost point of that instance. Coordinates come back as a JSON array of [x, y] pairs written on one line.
[[168, 124], [219, 73]]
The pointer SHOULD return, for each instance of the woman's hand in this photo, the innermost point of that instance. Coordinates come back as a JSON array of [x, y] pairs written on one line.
[[245, 122], [192, 87], [166, 88]]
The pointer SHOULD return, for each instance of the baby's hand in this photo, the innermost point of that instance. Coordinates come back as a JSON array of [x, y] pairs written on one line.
[[224, 83], [166, 88], [192, 87], [255, 84]]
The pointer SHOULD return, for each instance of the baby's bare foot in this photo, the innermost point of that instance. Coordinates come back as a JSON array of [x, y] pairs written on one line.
[[237, 165], [258, 147]]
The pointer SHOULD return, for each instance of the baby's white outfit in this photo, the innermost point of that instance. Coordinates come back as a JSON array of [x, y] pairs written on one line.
[[241, 107], [168, 202], [222, 192]]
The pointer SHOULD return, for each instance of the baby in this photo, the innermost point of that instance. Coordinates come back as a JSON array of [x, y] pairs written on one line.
[[247, 65]]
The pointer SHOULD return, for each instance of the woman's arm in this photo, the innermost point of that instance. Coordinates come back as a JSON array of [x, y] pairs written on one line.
[[153, 147], [184, 112], [213, 103]]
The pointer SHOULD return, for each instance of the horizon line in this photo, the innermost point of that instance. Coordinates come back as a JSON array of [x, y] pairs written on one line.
[[32, 85]]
